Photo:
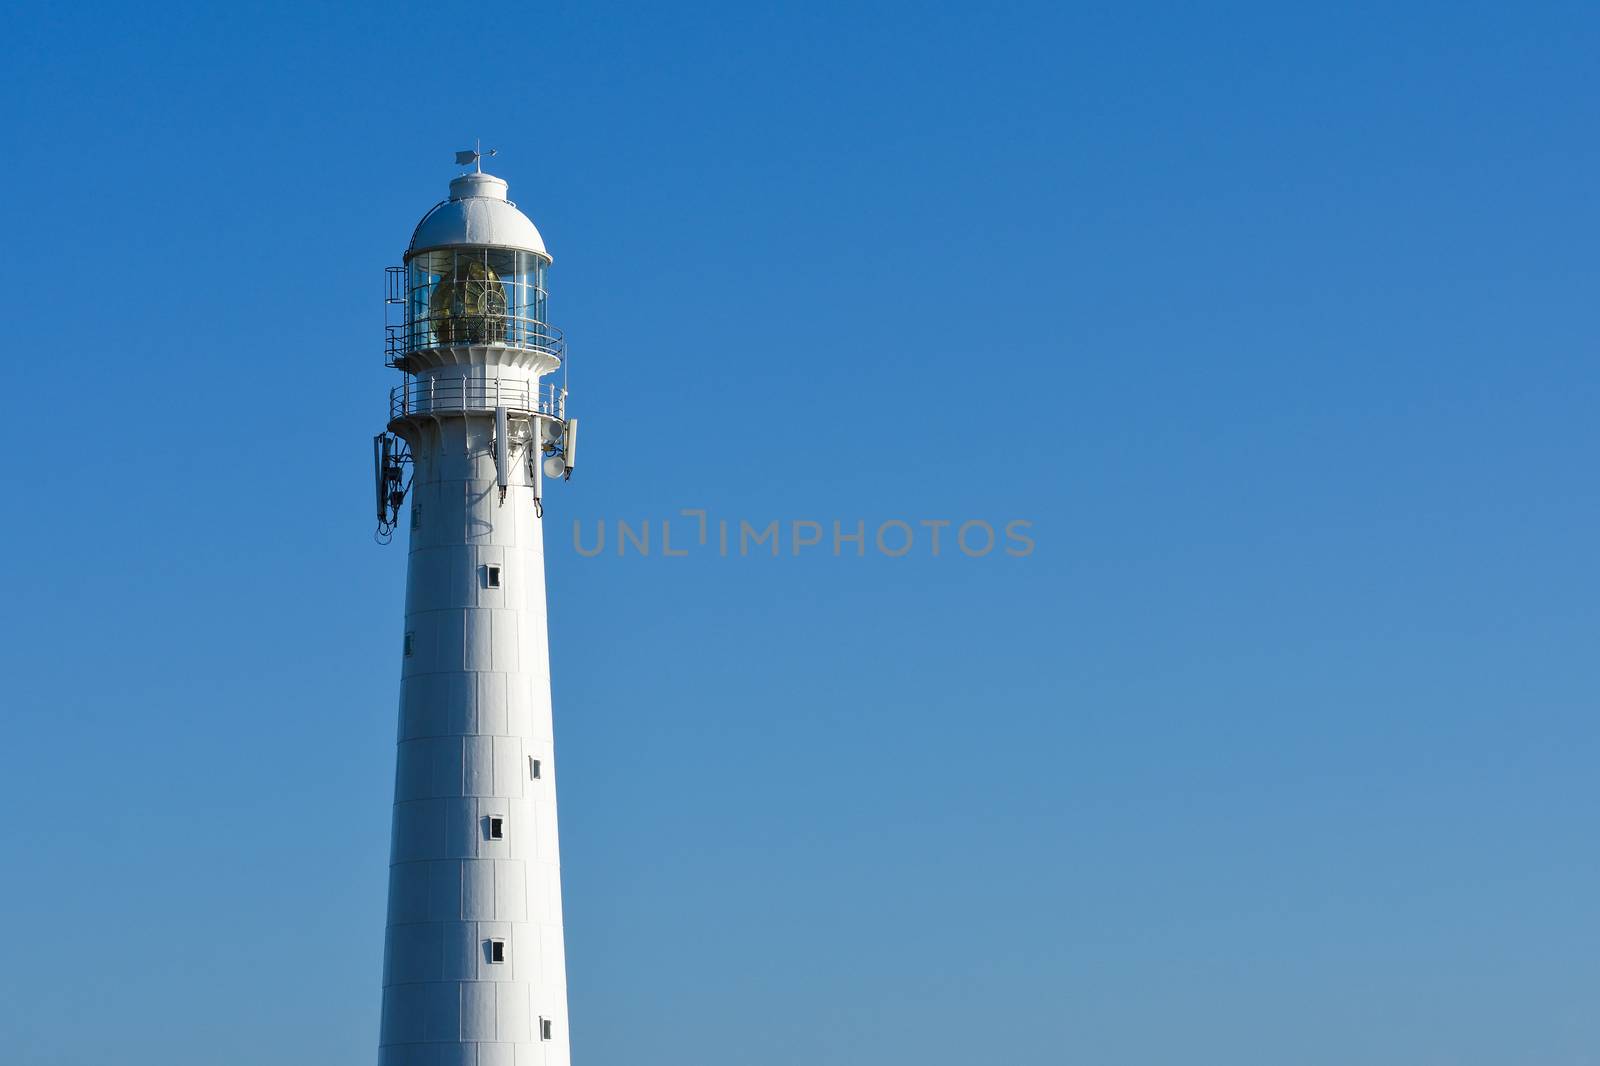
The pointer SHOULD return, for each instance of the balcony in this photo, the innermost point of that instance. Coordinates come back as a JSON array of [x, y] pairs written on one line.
[[438, 395], [472, 331]]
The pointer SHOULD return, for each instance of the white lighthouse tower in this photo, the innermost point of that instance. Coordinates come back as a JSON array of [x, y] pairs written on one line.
[[474, 969]]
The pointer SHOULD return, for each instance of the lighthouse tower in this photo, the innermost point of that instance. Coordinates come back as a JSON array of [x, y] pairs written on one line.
[[474, 970]]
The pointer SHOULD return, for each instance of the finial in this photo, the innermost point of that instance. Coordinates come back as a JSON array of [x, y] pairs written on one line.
[[474, 157]]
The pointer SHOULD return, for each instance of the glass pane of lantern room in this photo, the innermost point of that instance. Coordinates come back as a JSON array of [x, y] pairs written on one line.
[[425, 273], [536, 276], [520, 288], [502, 266]]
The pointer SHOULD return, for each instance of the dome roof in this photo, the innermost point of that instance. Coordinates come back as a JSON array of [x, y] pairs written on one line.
[[477, 214]]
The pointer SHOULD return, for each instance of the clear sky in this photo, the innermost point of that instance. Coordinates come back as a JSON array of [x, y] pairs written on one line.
[[1276, 322]]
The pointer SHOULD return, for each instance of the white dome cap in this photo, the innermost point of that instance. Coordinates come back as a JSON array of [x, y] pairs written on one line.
[[477, 214]]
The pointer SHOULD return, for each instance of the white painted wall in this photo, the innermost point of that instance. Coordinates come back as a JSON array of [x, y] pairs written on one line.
[[474, 707]]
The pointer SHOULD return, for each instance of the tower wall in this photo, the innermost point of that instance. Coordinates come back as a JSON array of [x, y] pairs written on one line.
[[475, 744]]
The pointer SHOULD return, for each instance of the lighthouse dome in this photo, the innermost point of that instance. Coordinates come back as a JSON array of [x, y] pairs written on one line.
[[477, 214]]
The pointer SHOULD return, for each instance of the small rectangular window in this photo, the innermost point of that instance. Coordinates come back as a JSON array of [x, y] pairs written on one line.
[[411, 643], [497, 828], [497, 951], [491, 576], [533, 768], [416, 516], [544, 1028]]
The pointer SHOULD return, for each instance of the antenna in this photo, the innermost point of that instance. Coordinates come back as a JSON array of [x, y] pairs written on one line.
[[380, 463], [561, 446], [390, 455], [502, 450]]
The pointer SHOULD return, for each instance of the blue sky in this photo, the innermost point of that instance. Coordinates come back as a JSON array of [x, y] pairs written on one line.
[[1276, 322]]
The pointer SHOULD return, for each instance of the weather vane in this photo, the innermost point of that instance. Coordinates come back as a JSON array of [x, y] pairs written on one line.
[[474, 157]]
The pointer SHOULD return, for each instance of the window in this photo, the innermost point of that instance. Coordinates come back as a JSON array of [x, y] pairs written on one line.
[[497, 827], [544, 1028], [411, 644], [416, 515], [491, 576], [533, 768], [497, 951]]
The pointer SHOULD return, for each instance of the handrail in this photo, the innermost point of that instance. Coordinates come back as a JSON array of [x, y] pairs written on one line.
[[446, 331], [439, 394]]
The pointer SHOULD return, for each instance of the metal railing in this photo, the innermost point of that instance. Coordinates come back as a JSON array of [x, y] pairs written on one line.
[[443, 395], [448, 331]]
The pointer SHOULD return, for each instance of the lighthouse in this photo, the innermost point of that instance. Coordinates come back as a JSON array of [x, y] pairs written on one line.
[[474, 969]]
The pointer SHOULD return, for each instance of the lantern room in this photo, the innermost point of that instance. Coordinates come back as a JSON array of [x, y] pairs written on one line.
[[473, 286]]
